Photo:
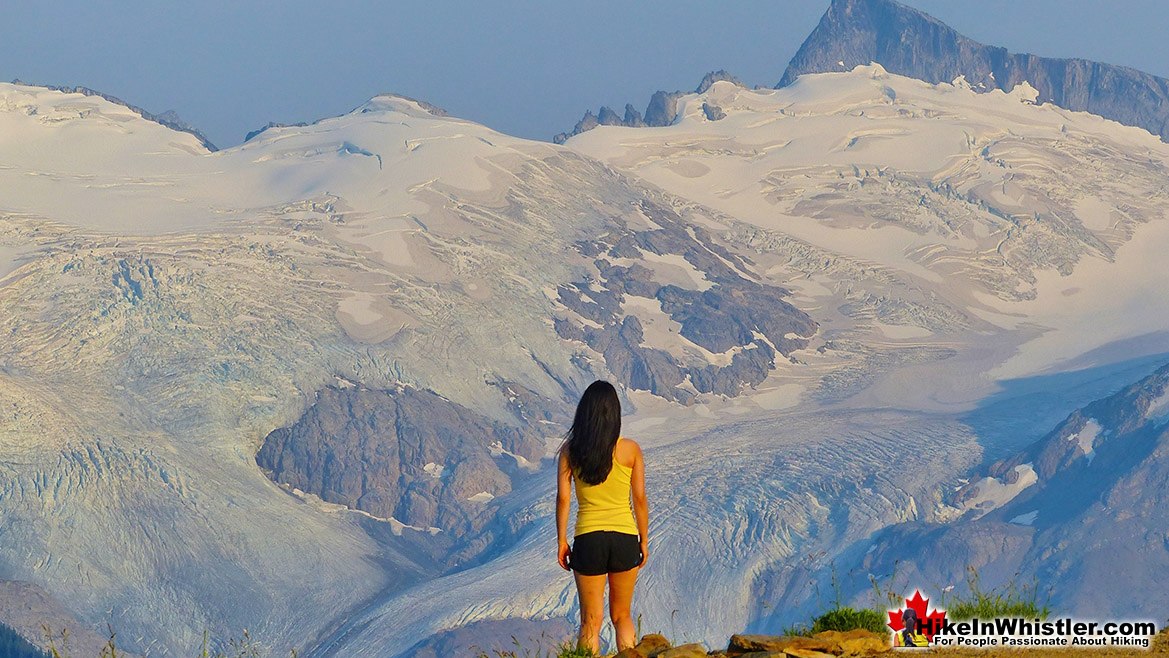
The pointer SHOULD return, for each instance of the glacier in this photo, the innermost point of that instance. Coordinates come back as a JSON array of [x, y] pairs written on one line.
[[166, 308]]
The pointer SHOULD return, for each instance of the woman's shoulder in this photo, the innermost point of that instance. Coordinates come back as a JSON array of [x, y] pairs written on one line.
[[633, 445], [628, 451]]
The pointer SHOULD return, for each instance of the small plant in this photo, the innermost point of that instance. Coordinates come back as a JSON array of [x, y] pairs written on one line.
[[796, 630], [51, 641], [1011, 600], [844, 618], [572, 651], [564, 650], [241, 647], [890, 594]]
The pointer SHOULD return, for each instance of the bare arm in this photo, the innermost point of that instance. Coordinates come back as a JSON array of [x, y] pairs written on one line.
[[563, 501], [640, 502]]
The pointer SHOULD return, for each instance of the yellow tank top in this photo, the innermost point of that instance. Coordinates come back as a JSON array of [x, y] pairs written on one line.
[[605, 506]]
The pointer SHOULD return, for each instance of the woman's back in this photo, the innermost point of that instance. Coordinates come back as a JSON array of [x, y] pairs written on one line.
[[606, 506], [610, 544]]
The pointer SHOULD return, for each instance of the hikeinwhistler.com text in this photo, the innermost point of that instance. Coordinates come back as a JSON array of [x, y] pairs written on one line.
[[1018, 632]]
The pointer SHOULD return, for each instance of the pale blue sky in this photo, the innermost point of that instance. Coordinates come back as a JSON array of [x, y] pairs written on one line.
[[526, 67]]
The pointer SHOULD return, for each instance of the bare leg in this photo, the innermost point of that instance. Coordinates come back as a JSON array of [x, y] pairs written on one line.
[[591, 594], [620, 598]]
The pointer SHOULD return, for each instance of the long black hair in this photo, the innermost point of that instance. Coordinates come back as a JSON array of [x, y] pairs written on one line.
[[912, 623], [594, 432]]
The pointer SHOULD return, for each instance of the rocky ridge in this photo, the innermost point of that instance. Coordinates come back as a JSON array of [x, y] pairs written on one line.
[[856, 643], [720, 312], [909, 42], [146, 362], [661, 111], [1087, 495], [406, 455], [479, 640], [152, 355]]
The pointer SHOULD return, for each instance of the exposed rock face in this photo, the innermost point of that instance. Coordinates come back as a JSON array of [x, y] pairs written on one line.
[[632, 116], [857, 642], [713, 112], [537, 637], [1075, 442], [408, 454], [661, 111], [607, 117], [1096, 500], [663, 108], [908, 42], [747, 320], [721, 75]]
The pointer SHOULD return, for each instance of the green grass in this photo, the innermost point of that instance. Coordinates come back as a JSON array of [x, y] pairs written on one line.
[[841, 617], [1010, 600], [844, 618], [564, 650], [796, 630], [568, 651]]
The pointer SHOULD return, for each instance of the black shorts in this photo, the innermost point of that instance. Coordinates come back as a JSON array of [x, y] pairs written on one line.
[[604, 551]]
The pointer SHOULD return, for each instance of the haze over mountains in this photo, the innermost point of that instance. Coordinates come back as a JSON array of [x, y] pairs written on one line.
[[307, 385], [909, 42], [1062, 513]]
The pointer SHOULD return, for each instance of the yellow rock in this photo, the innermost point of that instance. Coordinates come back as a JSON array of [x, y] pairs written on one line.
[[650, 646], [807, 653], [857, 642], [684, 651], [754, 643], [853, 643]]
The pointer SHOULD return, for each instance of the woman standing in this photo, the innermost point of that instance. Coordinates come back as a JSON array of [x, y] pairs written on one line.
[[609, 543]]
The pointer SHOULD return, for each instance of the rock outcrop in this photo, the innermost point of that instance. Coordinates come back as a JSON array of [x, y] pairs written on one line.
[[856, 643], [1064, 512], [909, 42], [713, 112], [747, 323], [661, 111], [406, 454]]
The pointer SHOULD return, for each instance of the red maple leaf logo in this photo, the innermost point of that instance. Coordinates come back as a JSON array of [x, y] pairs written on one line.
[[930, 623]]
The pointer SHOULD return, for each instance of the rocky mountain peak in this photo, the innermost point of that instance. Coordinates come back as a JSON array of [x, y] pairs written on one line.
[[721, 75], [661, 111], [909, 42]]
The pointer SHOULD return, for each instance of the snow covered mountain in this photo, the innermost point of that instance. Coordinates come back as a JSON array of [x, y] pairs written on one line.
[[944, 241], [169, 310], [305, 385], [909, 42], [1061, 515]]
